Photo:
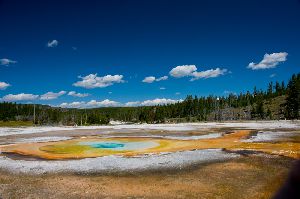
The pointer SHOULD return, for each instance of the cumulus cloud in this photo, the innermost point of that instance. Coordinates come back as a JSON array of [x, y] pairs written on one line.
[[52, 44], [19, 97], [162, 78], [6, 62], [52, 95], [191, 71], [183, 71], [90, 104], [159, 101], [74, 94], [208, 74], [104, 103], [4, 85], [110, 103], [93, 81], [269, 61], [151, 79], [72, 105], [135, 103]]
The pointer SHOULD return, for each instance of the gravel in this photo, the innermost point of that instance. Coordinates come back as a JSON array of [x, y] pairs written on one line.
[[113, 164], [282, 124]]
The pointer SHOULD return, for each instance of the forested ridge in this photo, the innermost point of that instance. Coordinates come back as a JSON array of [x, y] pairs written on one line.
[[278, 101]]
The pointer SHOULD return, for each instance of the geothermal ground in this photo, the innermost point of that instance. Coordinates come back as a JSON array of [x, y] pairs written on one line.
[[192, 160]]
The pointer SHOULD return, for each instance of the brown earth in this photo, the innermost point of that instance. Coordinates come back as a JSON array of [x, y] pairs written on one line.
[[246, 177]]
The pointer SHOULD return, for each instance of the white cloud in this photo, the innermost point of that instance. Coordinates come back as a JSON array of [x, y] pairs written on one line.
[[162, 88], [51, 95], [272, 75], [19, 97], [110, 103], [191, 71], [90, 104], [162, 78], [159, 101], [183, 71], [93, 81], [208, 74], [74, 94], [151, 79], [269, 61], [52, 44], [177, 93], [104, 103], [72, 105], [136, 103], [6, 62], [4, 85]]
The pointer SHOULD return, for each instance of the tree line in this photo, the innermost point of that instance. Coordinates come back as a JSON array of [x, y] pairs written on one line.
[[193, 108]]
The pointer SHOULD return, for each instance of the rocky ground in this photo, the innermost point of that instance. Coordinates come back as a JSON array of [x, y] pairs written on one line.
[[247, 175]]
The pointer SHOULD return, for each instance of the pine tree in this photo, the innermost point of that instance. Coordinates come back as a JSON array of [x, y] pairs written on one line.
[[260, 110], [278, 90], [270, 90], [293, 98]]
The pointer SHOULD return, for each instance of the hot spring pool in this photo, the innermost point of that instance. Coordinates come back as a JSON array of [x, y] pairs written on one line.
[[92, 146], [107, 145], [120, 145]]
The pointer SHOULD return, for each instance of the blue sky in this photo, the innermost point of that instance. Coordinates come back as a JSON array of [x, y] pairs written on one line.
[[46, 46]]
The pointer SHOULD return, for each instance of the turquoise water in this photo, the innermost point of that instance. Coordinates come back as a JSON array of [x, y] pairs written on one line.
[[107, 145], [119, 145]]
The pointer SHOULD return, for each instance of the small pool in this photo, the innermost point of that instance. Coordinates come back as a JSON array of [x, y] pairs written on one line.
[[120, 145], [107, 145]]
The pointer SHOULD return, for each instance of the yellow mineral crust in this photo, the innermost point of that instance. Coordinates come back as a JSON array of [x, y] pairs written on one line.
[[72, 149]]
